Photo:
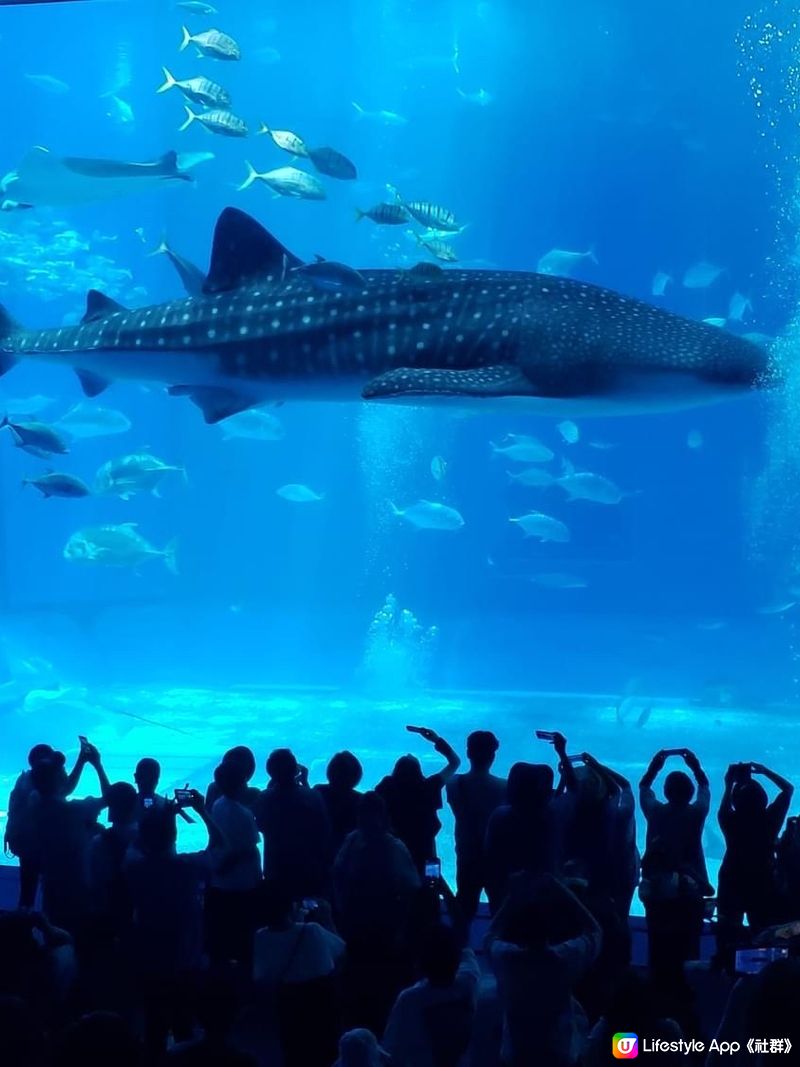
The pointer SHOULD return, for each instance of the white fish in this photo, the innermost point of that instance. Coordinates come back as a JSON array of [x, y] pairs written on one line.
[[22, 406], [715, 320], [584, 485], [559, 581], [739, 306], [138, 473], [285, 140], [254, 425], [88, 420], [121, 111], [523, 449], [286, 181], [776, 607], [560, 261], [482, 97], [438, 467], [545, 527], [603, 446], [694, 439], [299, 494], [569, 431], [48, 83], [535, 477], [116, 546], [386, 118], [764, 340], [660, 283], [702, 274], [430, 515]]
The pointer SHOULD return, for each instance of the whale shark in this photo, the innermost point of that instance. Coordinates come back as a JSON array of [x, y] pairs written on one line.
[[261, 332]]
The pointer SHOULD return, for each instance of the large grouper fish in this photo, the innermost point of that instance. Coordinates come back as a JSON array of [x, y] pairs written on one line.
[[262, 331]]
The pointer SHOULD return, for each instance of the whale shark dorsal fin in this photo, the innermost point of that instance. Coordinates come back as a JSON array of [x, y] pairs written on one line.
[[99, 306], [500, 380], [244, 251]]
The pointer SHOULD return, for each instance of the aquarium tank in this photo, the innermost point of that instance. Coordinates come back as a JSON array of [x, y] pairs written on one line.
[[436, 365]]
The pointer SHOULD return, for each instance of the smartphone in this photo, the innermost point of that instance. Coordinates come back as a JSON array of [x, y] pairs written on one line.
[[433, 871], [754, 960], [183, 796], [147, 802], [84, 742], [576, 759], [545, 735]]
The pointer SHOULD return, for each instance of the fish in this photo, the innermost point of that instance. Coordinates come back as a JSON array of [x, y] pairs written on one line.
[[127, 476], [121, 111], [716, 321], [88, 420], [776, 607], [199, 90], [533, 477], [429, 515], [192, 278], [603, 446], [563, 263], [222, 122], [584, 485], [253, 425], [188, 160], [701, 274], [26, 406], [56, 484], [36, 438], [46, 180], [332, 163], [432, 216], [384, 214], [117, 546], [439, 250], [569, 431], [660, 283], [299, 494], [559, 581], [48, 83], [212, 43], [545, 527], [438, 468], [482, 97], [385, 118], [470, 337], [285, 140], [197, 7], [286, 181], [738, 307], [523, 449], [331, 277]]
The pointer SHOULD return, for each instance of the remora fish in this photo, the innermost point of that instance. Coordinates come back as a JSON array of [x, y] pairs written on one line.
[[45, 180], [258, 335]]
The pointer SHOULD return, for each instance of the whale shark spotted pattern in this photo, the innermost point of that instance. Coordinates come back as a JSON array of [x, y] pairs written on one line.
[[260, 332]]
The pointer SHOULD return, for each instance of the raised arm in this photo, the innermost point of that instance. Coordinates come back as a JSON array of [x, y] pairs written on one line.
[[616, 782], [443, 748], [726, 804], [92, 756], [569, 778], [652, 772], [783, 784], [216, 838]]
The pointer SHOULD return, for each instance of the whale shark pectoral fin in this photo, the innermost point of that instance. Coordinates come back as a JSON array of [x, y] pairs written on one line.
[[502, 380], [215, 402], [91, 384]]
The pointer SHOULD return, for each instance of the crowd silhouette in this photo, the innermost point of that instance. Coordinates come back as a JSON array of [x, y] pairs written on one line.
[[315, 929]]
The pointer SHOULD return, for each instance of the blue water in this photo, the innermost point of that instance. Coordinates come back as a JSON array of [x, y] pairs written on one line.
[[657, 136]]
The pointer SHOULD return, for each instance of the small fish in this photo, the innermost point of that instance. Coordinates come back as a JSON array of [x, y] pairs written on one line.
[[660, 283], [763, 340], [15, 205], [482, 98], [197, 7], [384, 214], [332, 163], [224, 123], [252, 425], [116, 546], [198, 90], [562, 262], [583, 485], [702, 274], [545, 527], [36, 438], [386, 118], [285, 140], [121, 111], [569, 431], [55, 484], [738, 307], [523, 449], [603, 446], [559, 581], [192, 278], [714, 320], [212, 43], [88, 420], [432, 216], [429, 515], [776, 607], [286, 181], [299, 494], [48, 83], [26, 406], [438, 468], [137, 473], [533, 477], [331, 277], [694, 439], [439, 250]]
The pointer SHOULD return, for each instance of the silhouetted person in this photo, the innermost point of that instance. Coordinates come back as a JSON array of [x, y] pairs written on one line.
[[413, 800], [111, 906], [147, 776], [430, 1024], [750, 826], [244, 761], [674, 877], [523, 835], [297, 835], [340, 795], [474, 796], [634, 1006], [541, 942], [218, 1008]]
